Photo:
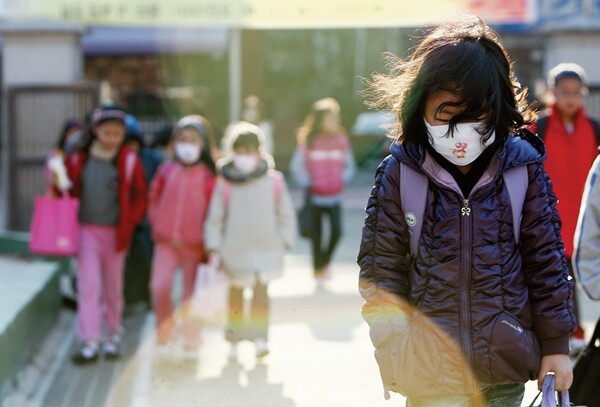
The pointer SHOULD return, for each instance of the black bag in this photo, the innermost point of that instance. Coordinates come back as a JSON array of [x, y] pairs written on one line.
[[586, 374], [305, 217]]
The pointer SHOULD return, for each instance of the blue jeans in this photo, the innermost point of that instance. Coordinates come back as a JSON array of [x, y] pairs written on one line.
[[504, 395], [501, 395]]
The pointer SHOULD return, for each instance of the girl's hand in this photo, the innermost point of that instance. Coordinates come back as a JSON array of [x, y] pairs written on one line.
[[563, 370], [59, 173]]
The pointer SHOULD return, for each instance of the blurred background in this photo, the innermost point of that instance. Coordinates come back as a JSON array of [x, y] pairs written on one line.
[[162, 60]]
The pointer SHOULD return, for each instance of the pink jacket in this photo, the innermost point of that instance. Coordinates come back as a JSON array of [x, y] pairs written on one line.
[[179, 199], [325, 162]]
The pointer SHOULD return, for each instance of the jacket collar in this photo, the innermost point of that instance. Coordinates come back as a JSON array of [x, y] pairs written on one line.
[[231, 173]]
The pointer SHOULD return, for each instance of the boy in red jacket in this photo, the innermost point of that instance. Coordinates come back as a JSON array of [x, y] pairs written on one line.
[[571, 140]]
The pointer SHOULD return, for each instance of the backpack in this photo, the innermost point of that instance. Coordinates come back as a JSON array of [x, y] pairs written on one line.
[[542, 124], [413, 197]]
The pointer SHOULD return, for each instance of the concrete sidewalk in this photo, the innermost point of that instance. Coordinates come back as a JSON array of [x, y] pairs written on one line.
[[321, 355], [29, 306]]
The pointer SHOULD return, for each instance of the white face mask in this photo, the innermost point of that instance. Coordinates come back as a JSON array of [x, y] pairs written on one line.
[[245, 163], [188, 153], [463, 147]]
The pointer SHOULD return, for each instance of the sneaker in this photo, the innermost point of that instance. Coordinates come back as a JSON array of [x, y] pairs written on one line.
[[262, 349], [233, 353], [87, 353], [321, 283], [111, 348]]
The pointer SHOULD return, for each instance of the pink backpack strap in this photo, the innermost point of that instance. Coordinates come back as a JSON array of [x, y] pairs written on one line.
[[129, 167], [74, 159], [226, 192], [277, 184], [167, 169]]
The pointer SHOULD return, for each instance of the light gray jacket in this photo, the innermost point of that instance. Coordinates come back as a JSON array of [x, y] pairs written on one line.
[[586, 259], [251, 226]]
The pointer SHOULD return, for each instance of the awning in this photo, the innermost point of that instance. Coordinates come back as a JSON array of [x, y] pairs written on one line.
[[118, 40]]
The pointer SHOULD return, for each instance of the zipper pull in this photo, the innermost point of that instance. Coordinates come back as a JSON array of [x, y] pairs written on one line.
[[465, 210]]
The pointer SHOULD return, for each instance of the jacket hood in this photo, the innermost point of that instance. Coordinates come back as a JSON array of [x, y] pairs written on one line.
[[517, 149], [231, 173]]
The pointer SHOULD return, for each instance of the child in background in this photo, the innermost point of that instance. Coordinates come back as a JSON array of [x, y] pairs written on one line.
[[565, 126], [324, 163], [109, 180], [69, 141], [179, 200], [71, 137], [251, 223], [138, 264], [252, 112], [479, 305]]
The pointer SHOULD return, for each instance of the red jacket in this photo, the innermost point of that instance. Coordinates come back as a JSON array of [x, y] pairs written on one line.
[[133, 191], [179, 200], [569, 158]]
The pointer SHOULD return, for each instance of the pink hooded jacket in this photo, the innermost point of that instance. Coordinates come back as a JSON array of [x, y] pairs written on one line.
[[179, 199], [326, 160]]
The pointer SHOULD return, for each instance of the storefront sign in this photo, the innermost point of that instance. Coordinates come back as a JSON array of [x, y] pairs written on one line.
[[266, 13]]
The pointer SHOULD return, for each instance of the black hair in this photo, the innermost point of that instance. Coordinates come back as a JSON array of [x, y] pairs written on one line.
[[313, 123], [247, 139], [565, 75], [566, 71], [97, 117], [69, 125], [466, 58], [163, 136]]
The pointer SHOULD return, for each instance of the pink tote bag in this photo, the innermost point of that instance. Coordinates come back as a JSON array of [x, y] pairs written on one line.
[[55, 226]]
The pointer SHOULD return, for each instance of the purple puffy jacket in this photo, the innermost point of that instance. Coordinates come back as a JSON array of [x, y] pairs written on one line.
[[504, 304]]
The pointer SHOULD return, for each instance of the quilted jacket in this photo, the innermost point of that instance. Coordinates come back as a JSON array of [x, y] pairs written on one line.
[[504, 304]]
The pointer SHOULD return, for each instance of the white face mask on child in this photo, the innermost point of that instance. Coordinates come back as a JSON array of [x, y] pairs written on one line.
[[463, 147], [188, 153], [245, 163]]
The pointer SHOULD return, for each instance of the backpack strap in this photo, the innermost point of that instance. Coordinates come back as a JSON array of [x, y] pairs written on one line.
[[277, 184], [516, 182], [541, 125], [413, 197], [129, 167], [226, 192], [596, 126]]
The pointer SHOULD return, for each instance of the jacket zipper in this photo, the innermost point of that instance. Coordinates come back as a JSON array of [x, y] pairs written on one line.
[[180, 203], [466, 222], [464, 315], [465, 210]]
